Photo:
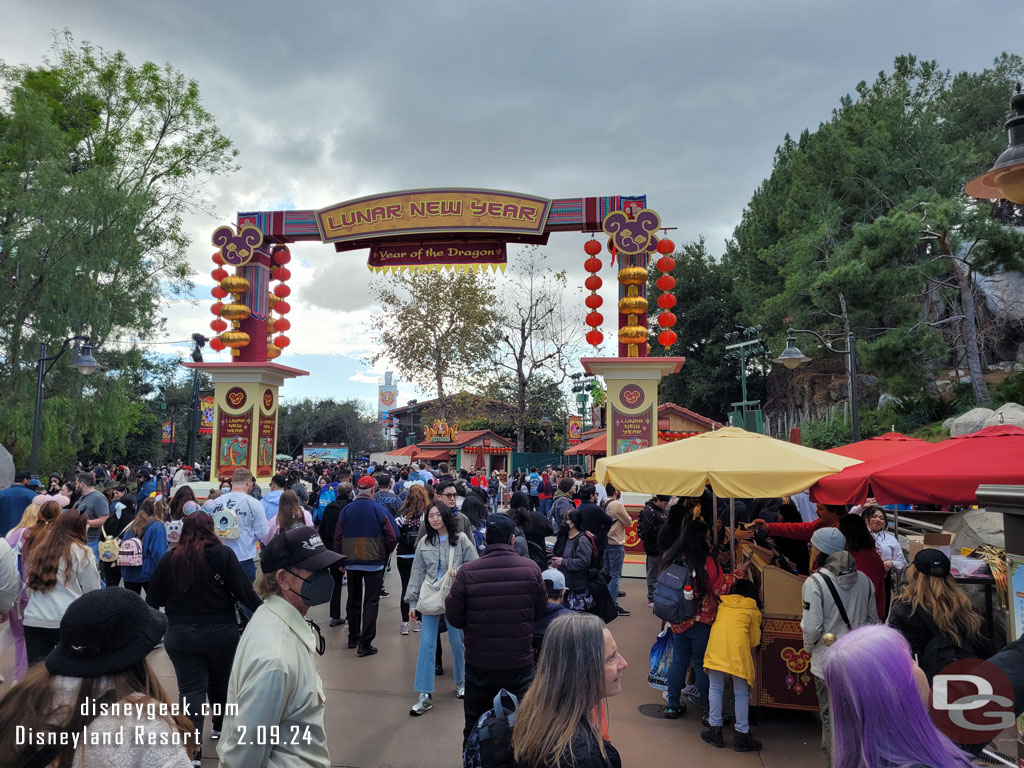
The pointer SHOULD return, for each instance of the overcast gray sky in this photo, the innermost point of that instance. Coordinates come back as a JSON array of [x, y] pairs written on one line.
[[682, 101]]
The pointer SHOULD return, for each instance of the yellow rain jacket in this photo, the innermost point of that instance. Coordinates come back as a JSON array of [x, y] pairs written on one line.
[[736, 630]]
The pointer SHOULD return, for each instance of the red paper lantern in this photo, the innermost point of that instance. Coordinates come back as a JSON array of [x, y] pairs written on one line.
[[282, 256], [282, 307], [667, 338], [666, 264], [666, 301], [282, 324], [216, 344], [594, 319], [217, 258], [593, 283], [282, 290], [218, 292], [281, 273], [592, 248], [592, 264], [666, 246], [282, 341], [216, 307], [666, 283], [594, 338], [666, 319], [593, 301], [218, 325], [219, 274]]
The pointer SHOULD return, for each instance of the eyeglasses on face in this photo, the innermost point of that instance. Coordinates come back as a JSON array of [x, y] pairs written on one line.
[[449, 495]]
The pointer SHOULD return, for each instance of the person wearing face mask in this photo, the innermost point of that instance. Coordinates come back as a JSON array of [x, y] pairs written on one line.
[[274, 679]]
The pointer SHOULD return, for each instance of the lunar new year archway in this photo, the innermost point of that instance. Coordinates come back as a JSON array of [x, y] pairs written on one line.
[[432, 229]]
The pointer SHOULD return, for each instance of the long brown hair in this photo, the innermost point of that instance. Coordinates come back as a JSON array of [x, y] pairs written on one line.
[[182, 495], [416, 502], [568, 687], [152, 510], [48, 512], [188, 557], [44, 561], [289, 511], [942, 599], [31, 704]]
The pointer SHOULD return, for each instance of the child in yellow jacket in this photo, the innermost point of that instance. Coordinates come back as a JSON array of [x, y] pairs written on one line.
[[737, 630]]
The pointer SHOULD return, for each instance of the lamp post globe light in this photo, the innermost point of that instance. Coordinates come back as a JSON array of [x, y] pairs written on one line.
[[1005, 179], [793, 358], [83, 362]]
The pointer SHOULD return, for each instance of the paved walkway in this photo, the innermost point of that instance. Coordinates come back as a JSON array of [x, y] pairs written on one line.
[[368, 702]]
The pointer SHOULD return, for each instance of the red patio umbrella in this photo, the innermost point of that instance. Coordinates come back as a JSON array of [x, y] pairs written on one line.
[[853, 485], [881, 447], [951, 472]]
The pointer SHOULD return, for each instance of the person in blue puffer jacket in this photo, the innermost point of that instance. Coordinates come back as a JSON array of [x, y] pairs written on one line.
[[149, 527]]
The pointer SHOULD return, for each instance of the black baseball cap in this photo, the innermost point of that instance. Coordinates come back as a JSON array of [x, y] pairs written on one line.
[[932, 562], [500, 528], [300, 548]]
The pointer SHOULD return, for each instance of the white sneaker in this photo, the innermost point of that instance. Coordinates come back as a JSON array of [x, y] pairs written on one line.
[[423, 703], [460, 691], [417, 626], [404, 629]]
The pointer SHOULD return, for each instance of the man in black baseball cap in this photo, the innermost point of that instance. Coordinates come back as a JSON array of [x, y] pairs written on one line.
[[274, 679]]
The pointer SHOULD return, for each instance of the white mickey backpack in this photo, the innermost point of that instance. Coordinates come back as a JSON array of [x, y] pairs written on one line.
[[173, 528], [225, 524]]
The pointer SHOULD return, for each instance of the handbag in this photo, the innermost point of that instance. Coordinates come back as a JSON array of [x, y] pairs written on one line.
[[434, 591], [432, 594], [109, 548]]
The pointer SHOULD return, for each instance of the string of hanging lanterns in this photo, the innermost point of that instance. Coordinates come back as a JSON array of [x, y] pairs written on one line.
[[281, 256], [593, 284], [234, 311], [667, 300]]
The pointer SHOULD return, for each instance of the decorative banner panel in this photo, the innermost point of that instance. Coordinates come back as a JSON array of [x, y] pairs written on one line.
[[575, 427], [412, 212], [330, 452], [475, 255], [631, 432], [234, 436], [167, 432], [206, 415], [267, 445]]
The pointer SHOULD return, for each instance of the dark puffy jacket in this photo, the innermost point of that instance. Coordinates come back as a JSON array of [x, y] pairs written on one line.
[[496, 599]]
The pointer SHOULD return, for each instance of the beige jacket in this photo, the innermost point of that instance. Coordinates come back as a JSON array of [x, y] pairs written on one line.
[[275, 683], [617, 511]]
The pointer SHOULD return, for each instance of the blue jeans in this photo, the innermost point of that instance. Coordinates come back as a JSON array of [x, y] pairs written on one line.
[[686, 647], [424, 682], [614, 556], [741, 692], [95, 547], [545, 506]]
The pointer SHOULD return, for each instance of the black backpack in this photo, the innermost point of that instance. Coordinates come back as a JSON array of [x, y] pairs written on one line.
[[940, 651], [538, 554], [490, 742]]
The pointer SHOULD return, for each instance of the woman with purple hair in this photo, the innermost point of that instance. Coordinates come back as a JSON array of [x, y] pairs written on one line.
[[879, 715]]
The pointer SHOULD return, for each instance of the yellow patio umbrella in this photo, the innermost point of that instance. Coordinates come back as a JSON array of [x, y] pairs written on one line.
[[736, 464]]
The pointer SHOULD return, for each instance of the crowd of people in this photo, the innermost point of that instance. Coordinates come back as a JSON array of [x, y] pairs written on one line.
[[228, 581]]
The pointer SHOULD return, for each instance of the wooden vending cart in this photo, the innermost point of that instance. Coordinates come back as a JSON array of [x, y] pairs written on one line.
[[783, 666]]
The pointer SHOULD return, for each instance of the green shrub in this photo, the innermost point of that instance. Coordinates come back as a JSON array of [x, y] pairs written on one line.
[[1009, 390]]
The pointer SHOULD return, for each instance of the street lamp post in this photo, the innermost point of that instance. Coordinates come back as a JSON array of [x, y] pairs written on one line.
[[792, 358], [198, 342], [84, 362]]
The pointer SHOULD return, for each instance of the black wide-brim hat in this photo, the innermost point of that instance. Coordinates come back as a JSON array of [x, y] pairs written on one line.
[[104, 632]]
